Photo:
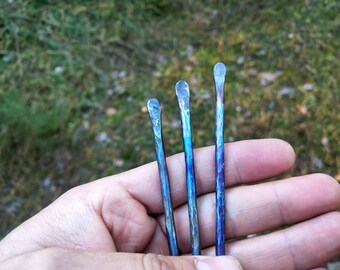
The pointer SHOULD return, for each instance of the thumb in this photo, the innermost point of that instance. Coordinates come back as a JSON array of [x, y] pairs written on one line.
[[55, 258]]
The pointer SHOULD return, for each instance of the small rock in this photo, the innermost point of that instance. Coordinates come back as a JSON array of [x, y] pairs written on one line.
[[189, 50], [240, 60], [14, 205], [252, 71], [317, 162], [46, 182], [188, 68], [271, 105], [111, 111], [268, 77], [7, 58], [118, 88], [118, 162], [285, 90], [118, 74], [102, 137], [144, 109], [60, 165], [157, 74], [48, 185], [58, 70], [308, 86], [174, 124], [86, 124], [302, 109], [230, 139], [205, 95], [324, 141], [162, 60], [109, 92], [262, 52]]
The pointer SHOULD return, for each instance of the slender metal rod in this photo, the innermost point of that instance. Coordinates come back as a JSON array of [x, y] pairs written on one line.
[[219, 78], [155, 114], [183, 96]]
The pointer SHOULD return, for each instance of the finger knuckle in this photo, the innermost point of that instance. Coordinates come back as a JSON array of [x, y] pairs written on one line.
[[157, 262]]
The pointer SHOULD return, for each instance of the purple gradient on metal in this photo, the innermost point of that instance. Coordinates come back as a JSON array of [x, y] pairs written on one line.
[[155, 114], [183, 96], [219, 78]]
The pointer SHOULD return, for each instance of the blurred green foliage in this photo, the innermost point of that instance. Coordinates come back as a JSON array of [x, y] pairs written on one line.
[[75, 77]]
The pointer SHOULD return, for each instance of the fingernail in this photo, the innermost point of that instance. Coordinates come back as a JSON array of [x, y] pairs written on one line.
[[218, 263]]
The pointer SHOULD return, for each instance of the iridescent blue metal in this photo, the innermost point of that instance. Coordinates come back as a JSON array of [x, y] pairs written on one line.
[[183, 96], [155, 114], [219, 77]]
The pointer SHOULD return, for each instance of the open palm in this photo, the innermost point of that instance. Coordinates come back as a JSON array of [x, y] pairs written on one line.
[[123, 213]]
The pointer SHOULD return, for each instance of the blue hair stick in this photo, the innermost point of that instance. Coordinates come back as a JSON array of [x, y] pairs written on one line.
[[219, 77], [183, 96], [155, 114]]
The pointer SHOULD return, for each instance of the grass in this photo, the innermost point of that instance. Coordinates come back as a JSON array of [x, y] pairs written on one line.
[[75, 78]]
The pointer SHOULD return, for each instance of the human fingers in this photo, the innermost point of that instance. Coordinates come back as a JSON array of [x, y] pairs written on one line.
[[63, 259], [246, 161], [256, 208], [303, 246]]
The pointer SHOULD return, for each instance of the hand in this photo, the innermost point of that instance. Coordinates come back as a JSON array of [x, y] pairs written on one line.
[[113, 222]]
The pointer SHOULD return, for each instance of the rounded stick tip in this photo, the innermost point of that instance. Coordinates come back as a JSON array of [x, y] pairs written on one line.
[[220, 70], [153, 104], [182, 89]]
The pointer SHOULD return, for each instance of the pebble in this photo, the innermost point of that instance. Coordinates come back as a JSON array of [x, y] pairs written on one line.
[[308, 86], [7, 58], [58, 70], [240, 60], [324, 141], [317, 162], [118, 74], [285, 90], [230, 139], [14, 205], [175, 124], [102, 137], [118, 162], [262, 52], [111, 111], [252, 71], [268, 77]]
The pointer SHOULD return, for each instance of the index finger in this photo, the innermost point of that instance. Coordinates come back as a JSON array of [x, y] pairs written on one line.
[[246, 162]]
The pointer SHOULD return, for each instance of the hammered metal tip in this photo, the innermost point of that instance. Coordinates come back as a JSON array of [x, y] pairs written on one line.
[[153, 103], [220, 70], [182, 89]]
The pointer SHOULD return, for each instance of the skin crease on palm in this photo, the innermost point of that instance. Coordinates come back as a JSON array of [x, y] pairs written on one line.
[[101, 224]]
